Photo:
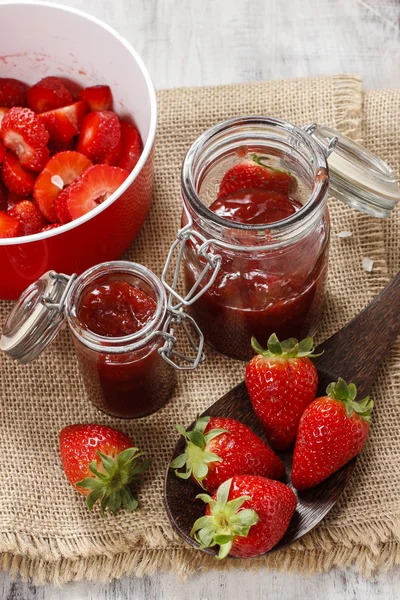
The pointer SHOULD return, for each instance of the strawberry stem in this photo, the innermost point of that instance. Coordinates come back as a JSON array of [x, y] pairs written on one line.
[[290, 348], [347, 394]]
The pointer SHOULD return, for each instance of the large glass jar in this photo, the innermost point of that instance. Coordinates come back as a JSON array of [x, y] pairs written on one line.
[[126, 375], [245, 280]]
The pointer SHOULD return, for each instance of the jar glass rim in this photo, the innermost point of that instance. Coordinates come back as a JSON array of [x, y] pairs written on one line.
[[127, 343], [320, 184]]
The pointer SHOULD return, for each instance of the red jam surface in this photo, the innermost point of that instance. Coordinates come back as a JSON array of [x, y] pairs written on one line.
[[128, 384], [255, 206], [277, 291]]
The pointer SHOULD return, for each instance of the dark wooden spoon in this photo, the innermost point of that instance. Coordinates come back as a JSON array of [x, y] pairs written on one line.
[[354, 353]]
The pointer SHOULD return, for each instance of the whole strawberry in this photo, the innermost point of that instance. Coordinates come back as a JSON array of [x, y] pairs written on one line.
[[256, 173], [101, 463], [218, 448], [332, 430], [246, 517], [281, 382]]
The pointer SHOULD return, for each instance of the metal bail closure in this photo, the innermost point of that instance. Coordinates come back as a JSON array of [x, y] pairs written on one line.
[[194, 341], [37, 317], [357, 177]]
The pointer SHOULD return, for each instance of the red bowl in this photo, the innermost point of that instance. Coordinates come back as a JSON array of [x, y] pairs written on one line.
[[87, 53]]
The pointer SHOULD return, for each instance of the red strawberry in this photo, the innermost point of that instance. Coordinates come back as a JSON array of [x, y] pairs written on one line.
[[9, 226], [63, 124], [29, 216], [101, 463], [247, 516], [3, 112], [23, 133], [60, 171], [3, 197], [218, 448], [131, 146], [94, 186], [255, 173], [97, 97], [12, 92], [281, 382], [18, 180], [13, 199], [49, 93], [332, 430], [51, 226], [2, 151], [99, 136]]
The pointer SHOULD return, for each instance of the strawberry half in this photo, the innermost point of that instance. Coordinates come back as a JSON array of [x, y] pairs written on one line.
[[97, 97], [94, 186], [63, 124], [218, 448], [61, 170], [18, 180], [131, 146], [3, 112], [12, 92], [246, 517], [99, 137], [255, 173], [30, 218], [23, 133], [9, 225], [281, 381], [49, 93], [102, 464], [332, 430]]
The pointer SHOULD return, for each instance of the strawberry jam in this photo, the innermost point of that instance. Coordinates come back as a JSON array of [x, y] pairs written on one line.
[[126, 384]]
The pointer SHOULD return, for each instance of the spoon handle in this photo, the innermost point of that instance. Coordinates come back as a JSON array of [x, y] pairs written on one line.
[[356, 351]]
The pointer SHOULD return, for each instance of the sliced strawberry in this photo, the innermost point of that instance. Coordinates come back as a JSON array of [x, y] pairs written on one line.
[[12, 92], [99, 136], [97, 97], [3, 196], [15, 177], [56, 147], [23, 133], [49, 93], [64, 123], [60, 171], [9, 225], [91, 189], [51, 226], [2, 151], [30, 218], [13, 199], [131, 146], [3, 112]]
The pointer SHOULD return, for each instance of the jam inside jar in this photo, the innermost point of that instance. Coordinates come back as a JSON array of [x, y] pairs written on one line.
[[115, 311], [272, 242]]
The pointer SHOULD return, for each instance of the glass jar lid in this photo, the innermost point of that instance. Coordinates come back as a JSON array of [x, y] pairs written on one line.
[[36, 318], [357, 177]]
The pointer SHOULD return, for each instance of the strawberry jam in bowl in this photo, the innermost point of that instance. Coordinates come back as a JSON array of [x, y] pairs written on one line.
[[77, 128], [256, 233]]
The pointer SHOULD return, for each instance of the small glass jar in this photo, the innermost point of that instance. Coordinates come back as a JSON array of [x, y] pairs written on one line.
[[254, 280], [129, 376]]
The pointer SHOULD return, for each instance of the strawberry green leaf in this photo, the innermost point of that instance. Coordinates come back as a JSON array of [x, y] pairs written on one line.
[[179, 461], [290, 348], [93, 497], [90, 483], [347, 394]]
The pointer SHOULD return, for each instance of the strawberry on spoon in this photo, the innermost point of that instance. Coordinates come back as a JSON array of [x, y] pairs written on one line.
[[61, 170], [246, 517], [332, 430], [218, 448], [102, 464], [255, 173], [24, 133], [94, 186], [281, 381]]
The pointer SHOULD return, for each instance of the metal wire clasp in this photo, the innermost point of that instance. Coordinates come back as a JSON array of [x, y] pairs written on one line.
[[194, 336], [57, 280], [327, 145], [213, 263]]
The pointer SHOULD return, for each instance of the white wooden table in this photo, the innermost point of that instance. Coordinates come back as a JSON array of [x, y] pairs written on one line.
[[207, 42]]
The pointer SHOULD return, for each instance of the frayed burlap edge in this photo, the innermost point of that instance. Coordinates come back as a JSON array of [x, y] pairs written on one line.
[[369, 548]]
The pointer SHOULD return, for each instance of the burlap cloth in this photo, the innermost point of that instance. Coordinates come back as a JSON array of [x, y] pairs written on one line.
[[45, 530]]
